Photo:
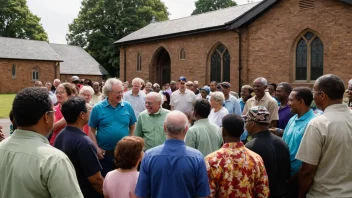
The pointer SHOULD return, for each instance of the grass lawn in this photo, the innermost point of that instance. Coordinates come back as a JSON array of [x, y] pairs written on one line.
[[5, 104]]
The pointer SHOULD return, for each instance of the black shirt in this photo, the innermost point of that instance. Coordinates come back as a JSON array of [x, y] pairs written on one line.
[[276, 157], [80, 150]]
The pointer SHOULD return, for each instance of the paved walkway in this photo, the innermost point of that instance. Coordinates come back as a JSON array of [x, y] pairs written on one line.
[[5, 123]]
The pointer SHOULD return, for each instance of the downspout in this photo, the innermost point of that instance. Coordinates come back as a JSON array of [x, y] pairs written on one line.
[[239, 61], [124, 64]]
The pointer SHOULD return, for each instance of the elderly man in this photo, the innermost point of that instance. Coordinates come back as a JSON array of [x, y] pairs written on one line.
[[38, 84], [325, 150], [56, 83], [203, 135], [263, 99], [136, 97], [183, 98], [173, 170], [150, 122], [236, 160], [349, 94], [156, 87], [29, 166], [271, 148], [51, 94], [246, 93], [218, 111], [97, 96], [79, 148], [110, 121], [231, 102], [189, 85]]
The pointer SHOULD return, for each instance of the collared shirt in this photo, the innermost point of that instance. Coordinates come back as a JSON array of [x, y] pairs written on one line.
[[137, 102], [96, 98], [235, 171], [216, 117], [82, 153], [204, 136], [183, 101], [30, 167], [267, 101], [242, 104], [326, 143], [112, 123], [233, 105], [173, 170], [284, 116], [150, 127], [276, 157], [293, 135]]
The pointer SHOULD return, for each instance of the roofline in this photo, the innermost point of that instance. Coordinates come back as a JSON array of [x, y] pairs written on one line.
[[83, 74], [32, 59], [168, 36], [252, 14]]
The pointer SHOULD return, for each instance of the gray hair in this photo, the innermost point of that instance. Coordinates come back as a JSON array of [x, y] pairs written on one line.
[[149, 83], [86, 88], [176, 122], [350, 83], [157, 96], [138, 80], [108, 85], [262, 80], [218, 97]]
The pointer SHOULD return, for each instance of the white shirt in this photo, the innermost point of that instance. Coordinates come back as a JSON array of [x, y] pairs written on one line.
[[216, 117]]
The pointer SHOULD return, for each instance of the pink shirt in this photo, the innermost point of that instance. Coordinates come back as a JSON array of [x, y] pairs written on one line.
[[58, 116], [120, 185]]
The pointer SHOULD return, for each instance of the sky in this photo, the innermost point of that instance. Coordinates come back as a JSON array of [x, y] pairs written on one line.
[[57, 14]]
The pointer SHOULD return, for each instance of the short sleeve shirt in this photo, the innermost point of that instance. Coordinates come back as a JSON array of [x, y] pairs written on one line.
[[137, 102], [183, 101], [112, 123], [233, 105], [268, 102], [81, 151], [326, 143], [216, 117]]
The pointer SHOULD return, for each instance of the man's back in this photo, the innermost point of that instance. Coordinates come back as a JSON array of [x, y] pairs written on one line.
[[204, 136], [30, 167], [327, 144], [276, 157], [173, 170]]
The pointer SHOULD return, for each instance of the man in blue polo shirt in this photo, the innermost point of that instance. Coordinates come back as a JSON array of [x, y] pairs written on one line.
[[110, 121], [79, 147], [173, 169], [299, 101]]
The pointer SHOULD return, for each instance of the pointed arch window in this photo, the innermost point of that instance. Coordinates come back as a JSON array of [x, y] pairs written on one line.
[[309, 63], [35, 75], [139, 62], [220, 64], [14, 71], [182, 54]]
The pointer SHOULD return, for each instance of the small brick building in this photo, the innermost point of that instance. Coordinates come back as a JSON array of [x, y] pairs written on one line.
[[22, 62], [283, 40]]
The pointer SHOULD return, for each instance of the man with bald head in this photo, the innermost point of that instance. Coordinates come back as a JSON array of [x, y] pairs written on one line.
[[263, 99], [173, 169], [56, 83], [150, 122]]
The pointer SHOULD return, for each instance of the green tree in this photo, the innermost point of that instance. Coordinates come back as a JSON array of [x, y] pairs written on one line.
[[17, 21], [102, 22], [211, 5]]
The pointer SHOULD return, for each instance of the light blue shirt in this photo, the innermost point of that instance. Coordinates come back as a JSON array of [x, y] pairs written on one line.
[[112, 123], [233, 105], [137, 102], [293, 134]]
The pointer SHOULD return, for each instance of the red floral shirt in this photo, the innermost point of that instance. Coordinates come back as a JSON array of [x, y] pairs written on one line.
[[235, 171]]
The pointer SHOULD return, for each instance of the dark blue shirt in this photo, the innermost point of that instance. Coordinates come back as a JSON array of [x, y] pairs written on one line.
[[112, 123], [80, 150], [173, 170], [285, 115]]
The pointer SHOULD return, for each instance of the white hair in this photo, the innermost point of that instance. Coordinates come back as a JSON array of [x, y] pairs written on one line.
[[262, 80], [149, 83], [156, 84], [138, 80], [176, 122], [108, 85], [218, 96], [350, 83], [86, 88]]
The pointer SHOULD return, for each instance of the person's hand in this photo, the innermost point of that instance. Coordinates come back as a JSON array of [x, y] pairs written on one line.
[[101, 153], [2, 136]]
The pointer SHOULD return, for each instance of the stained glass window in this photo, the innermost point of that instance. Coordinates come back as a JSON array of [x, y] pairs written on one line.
[[215, 70], [226, 66], [301, 60], [220, 65], [317, 52]]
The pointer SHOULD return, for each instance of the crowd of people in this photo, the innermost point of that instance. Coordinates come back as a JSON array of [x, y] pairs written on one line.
[[113, 139]]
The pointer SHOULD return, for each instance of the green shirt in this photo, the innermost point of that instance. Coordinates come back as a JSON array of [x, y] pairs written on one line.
[[204, 136], [150, 127], [30, 167]]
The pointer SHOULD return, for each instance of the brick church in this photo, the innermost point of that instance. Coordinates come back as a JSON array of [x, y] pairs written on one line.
[[283, 40]]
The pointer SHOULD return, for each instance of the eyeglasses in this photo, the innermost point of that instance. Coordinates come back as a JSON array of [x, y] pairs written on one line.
[[60, 93], [149, 103], [53, 111]]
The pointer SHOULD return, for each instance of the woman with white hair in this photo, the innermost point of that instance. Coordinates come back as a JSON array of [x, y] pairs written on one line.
[[87, 92], [218, 111]]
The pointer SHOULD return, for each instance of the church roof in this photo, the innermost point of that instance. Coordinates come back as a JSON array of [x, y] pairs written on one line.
[[13, 48], [209, 21], [77, 61]]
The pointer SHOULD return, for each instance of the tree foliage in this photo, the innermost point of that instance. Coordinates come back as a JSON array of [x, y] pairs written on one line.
[[102, 22], [211, 5], [17, 21]]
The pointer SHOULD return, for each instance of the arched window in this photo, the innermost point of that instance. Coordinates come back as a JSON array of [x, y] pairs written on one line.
[[139, 62], [14, 71], [309, 57], [220, 65], [182, 54], [35, 75]]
